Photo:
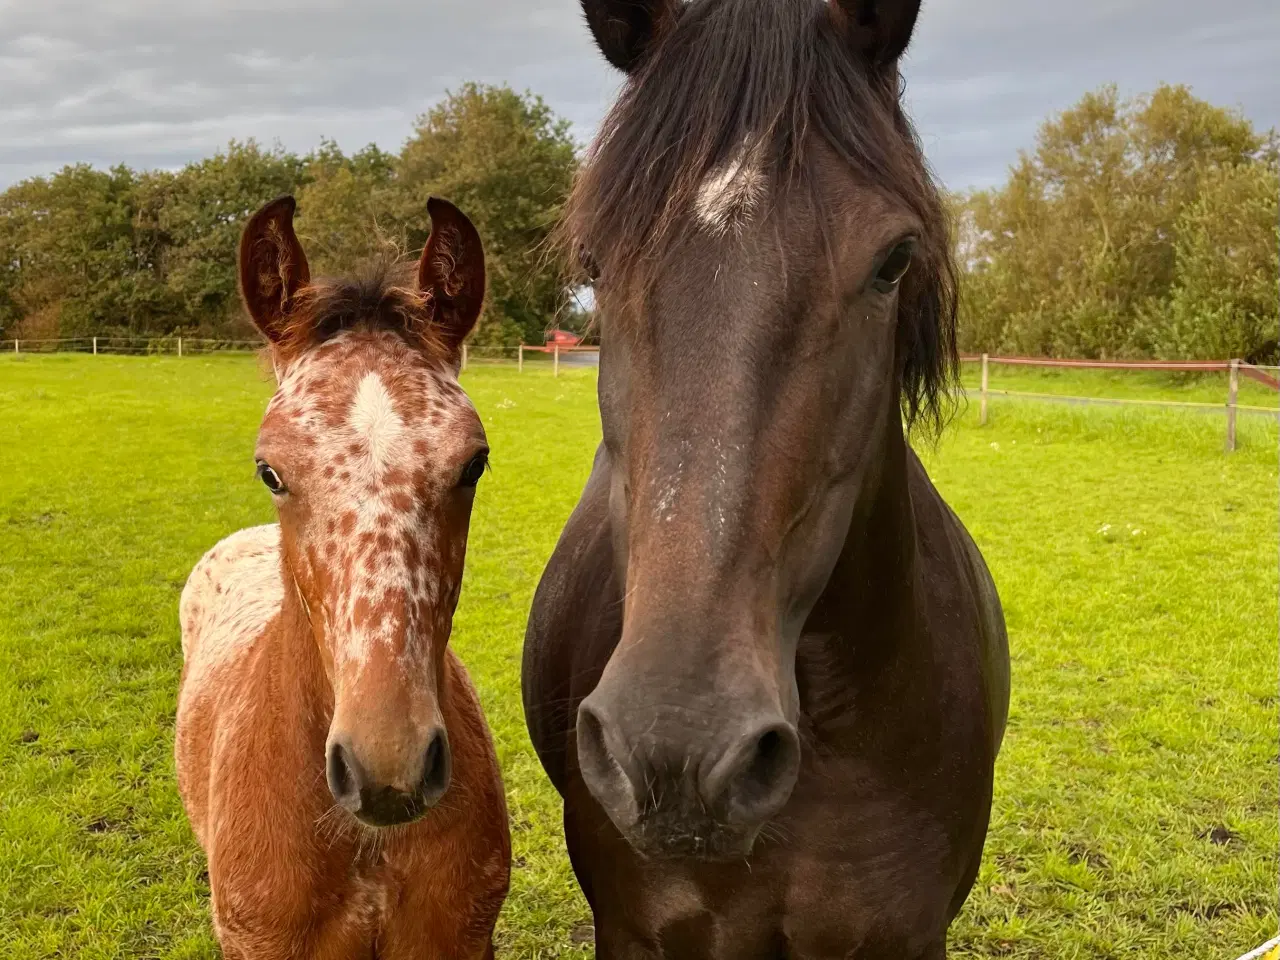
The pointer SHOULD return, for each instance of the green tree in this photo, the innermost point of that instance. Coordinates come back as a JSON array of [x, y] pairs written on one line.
[[192, 221], [72, 267], [345, 209], [507, 161], [1076, 253], [88, 252], [1224, 300]]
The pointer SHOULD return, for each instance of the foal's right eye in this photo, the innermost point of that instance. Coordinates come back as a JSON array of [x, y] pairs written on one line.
[[268, 476]]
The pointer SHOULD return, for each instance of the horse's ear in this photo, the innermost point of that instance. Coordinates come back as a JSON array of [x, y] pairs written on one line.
[[452, 271], [273, 267], [879, 30], [625, 30]]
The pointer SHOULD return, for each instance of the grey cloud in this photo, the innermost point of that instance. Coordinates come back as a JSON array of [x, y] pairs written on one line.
[[158, 84]]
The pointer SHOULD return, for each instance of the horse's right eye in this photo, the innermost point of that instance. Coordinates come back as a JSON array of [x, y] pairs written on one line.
[[272, 479]]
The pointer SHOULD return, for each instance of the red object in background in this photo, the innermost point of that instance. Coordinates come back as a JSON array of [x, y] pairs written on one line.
[[562, 337]]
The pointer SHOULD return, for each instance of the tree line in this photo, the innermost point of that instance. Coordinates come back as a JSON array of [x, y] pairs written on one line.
[[1142, 228], [1134, 228], [120, 252]]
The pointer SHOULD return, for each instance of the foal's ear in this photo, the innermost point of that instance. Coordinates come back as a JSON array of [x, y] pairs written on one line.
[[878, 30], [625, 30], [452, 271], [273, 267]]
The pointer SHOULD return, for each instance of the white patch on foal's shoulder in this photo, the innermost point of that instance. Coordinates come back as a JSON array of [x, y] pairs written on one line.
[[729, 194], [232, 594], [374, 418]]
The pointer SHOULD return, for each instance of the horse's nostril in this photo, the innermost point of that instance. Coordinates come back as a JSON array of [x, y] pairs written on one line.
[[435, 769], [769, 762], [753, 781], [343, 776], [594, 755], [605, 769]]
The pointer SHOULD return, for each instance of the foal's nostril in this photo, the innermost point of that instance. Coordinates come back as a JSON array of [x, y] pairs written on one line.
[[754, 779], [343, 773], [436, 767]]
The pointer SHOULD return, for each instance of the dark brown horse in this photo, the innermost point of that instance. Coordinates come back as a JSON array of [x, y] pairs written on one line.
[[766, 667]]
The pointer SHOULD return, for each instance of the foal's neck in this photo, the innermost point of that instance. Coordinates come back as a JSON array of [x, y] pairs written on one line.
[[299, 668]]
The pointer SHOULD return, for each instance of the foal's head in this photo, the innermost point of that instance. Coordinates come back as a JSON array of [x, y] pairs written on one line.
[[775, 288], [371, 452]]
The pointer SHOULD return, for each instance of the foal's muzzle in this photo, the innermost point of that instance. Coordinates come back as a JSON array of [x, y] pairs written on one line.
[[386, 804]]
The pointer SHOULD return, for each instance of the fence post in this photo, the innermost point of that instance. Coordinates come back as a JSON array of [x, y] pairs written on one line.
[[982, 406], [555, 366], [464, 357], [15, 345], [1233, 387], [520, 360], [95, 346], [179, 346]]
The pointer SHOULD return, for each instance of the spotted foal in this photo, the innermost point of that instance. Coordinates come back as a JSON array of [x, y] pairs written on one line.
[[331, 752]]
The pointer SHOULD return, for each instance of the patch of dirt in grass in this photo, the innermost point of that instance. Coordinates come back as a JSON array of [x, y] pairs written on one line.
[[1219, 835]]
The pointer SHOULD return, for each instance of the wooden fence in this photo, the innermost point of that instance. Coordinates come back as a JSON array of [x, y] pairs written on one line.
[[1231, 407], [555, 349]]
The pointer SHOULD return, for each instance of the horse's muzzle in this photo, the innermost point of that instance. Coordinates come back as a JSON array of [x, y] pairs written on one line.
[[675, 788]]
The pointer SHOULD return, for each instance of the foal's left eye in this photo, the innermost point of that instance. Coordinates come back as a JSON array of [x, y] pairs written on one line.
[[268, 476], [894, 266], [474, 470]]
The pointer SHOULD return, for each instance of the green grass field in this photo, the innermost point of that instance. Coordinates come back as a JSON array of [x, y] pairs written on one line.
[[1136, 797]]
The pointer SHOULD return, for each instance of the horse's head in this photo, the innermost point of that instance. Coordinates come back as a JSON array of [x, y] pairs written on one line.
[[371, 453], [775, 285]]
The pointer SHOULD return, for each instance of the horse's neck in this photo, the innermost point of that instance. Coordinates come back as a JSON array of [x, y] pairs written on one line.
[[872, 590]]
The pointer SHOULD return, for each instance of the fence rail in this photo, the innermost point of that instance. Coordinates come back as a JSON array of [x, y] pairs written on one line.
[[1233, 368], [182, 346], [131, 345]]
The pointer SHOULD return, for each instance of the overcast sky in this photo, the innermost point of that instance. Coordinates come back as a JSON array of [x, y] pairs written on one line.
[[155, 83]]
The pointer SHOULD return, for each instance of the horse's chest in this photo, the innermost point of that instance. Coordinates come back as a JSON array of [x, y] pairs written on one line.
[[816, 911], [823, 884]]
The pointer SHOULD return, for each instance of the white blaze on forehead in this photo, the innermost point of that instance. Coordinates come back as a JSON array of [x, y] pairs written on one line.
[[730, 193], [374, 419]]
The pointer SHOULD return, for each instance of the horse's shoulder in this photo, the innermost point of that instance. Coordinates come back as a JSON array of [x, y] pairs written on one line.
[[232, 594]]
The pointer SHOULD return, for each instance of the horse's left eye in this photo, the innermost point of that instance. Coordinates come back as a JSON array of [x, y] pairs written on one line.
[[894, 266], [474, 470], [272, 479]]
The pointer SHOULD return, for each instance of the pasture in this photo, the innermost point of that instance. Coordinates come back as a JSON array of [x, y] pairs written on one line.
[[1135, 810]]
